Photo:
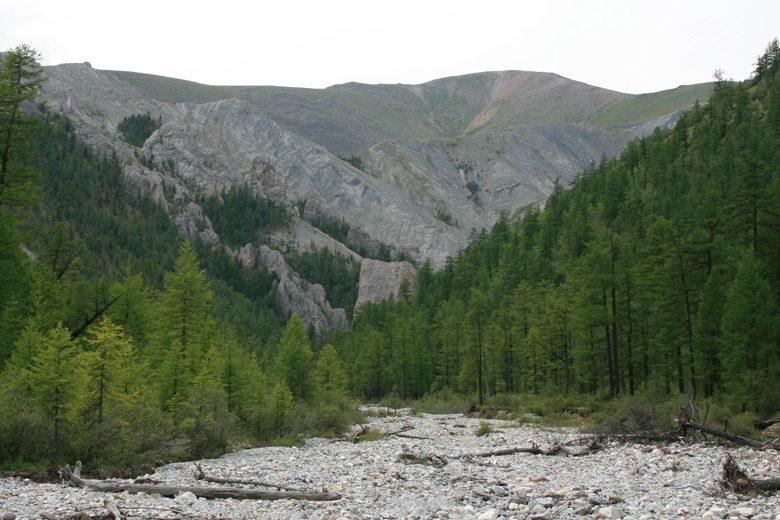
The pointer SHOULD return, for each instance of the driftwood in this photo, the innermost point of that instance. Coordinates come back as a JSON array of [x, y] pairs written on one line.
[[200, 475], [400, 433], [735, 480], [733, 437], [365, 430], [556, 449], [200, 491], [766, 424]]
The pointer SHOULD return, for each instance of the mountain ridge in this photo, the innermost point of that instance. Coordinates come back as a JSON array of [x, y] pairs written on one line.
[[440, 161], [351, 117]]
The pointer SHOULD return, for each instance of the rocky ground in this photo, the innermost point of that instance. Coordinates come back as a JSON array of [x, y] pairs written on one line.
[[424, 473]]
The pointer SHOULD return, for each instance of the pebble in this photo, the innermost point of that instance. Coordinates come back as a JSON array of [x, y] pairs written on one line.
[[621, 482]]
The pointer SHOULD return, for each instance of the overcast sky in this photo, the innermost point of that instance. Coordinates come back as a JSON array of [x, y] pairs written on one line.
[[624, 45]]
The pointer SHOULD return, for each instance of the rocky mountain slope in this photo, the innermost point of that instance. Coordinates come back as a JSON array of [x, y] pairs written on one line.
[[347, 119], [439, 160]]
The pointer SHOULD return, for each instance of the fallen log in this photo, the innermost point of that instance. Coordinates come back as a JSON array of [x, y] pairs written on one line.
[[761, 425], [200, 475], [733, 479], [733, 437], [556, 449], [200, 491]]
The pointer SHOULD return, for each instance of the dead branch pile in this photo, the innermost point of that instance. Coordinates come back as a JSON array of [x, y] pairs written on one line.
[[733, 479]]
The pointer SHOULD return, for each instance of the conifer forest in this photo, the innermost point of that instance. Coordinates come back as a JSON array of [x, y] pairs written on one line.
[[655, 273]]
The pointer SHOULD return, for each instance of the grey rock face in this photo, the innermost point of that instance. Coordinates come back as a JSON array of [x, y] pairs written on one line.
[[415, 196], [379, 280], [307, 300]]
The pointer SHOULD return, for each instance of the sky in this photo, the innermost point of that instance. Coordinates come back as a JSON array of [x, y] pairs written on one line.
[[624, 45]]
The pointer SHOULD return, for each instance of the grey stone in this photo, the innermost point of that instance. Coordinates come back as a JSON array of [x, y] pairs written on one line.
[[583, 510], [379, 280], [500, 491], [480, 494], [541, 501], [309, 301]]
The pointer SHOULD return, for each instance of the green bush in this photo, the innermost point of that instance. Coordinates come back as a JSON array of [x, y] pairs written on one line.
[[484, 429], [443, 402], [331, 414]]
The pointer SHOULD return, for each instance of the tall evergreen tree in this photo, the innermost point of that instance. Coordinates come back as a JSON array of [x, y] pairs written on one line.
[[20, 78], [294, 362]]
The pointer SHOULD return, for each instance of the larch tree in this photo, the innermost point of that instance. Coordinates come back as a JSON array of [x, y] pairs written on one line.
[[749, 337], [329, 371], [55, 382], [294, 362], [20, 78], [184, 313]]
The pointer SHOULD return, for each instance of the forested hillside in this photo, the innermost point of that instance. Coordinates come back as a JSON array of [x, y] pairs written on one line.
[[121, 343], [658, 270]]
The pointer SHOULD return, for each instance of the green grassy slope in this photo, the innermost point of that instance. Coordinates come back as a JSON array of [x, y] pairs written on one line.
[[172, 90], [648, 106]]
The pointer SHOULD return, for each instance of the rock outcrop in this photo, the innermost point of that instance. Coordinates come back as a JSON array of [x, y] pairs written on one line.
[[382, 280], [309, 301]]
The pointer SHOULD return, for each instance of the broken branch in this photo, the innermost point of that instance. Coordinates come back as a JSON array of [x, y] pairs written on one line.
[[733, 437], [200, 475], [735, 480]]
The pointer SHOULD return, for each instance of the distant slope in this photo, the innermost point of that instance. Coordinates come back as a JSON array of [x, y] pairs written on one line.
[[349, 118], [171, 90], [647, 106]]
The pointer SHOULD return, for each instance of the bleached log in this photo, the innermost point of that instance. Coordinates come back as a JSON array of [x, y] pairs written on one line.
[[199, 491]]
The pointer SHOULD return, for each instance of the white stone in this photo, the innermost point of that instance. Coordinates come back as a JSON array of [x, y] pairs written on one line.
[[187, 498], [490, 514], [610, 513], [747, 512]]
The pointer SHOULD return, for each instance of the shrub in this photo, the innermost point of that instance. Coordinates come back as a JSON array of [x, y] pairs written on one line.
[[484, 429]]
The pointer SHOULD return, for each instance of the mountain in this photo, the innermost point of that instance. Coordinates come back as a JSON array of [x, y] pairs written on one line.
[[656, 275], [350, 118], [438, 161]]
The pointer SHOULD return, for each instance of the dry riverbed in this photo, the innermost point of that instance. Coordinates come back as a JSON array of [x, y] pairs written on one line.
[[425, 473]]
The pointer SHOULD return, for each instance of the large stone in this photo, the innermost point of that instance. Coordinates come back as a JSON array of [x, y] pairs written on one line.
[[381, 280], [490, 514]]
